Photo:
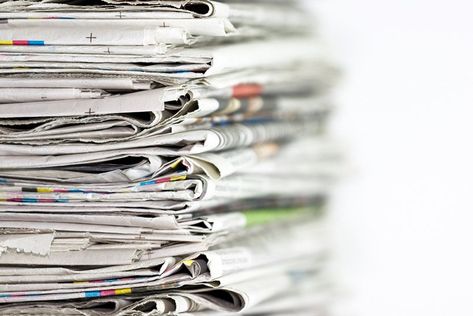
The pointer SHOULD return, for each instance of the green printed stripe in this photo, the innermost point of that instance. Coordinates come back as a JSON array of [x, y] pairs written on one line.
[[265, 216]]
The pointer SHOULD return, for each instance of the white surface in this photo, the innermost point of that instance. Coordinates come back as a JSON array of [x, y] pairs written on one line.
[[404, 221]]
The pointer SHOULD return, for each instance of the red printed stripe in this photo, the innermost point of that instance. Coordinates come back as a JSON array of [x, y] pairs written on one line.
[[163, 180], [46, 200], [20, 42], [247, 91], [107, 293]]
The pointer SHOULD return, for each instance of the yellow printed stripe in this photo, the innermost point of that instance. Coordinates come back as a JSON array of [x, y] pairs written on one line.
[[44, 190], [175, 164], [122, 291], [188, 262], [6, 42], [176, 178]]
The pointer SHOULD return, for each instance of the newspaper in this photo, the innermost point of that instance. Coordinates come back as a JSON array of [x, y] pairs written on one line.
[[240, 271], [163, 157]]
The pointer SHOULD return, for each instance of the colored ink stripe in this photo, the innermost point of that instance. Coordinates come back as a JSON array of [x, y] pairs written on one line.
[[38, 190], [93, 294], [122, 291], [163, 180], [22, 42], [177, 178], [247, 91], [142, 184], [23, 200], [33, 200], [59, 18], [176, 164], [51, 190], [101, 281], [29, 190], [46, 200]]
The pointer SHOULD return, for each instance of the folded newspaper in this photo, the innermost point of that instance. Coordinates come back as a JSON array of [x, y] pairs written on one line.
[[163, 157]]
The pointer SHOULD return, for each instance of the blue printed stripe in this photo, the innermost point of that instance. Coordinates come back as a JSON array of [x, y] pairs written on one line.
[[92, 294]]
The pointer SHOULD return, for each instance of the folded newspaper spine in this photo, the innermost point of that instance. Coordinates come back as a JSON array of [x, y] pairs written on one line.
[[163, 157]]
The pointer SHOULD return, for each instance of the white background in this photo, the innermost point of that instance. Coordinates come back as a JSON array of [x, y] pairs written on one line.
[[403, 222]]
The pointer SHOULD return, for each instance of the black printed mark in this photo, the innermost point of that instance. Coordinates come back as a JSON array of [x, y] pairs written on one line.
[[90, 111], [91, 37]]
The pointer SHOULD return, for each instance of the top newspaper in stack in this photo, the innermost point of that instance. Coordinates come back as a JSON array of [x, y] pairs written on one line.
[[136, 135]]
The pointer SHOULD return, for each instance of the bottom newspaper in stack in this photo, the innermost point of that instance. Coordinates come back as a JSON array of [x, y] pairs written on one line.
[[216, 235], [251, 272]]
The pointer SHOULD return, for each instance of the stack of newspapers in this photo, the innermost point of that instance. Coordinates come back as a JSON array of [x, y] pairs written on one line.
[[163, 157]]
